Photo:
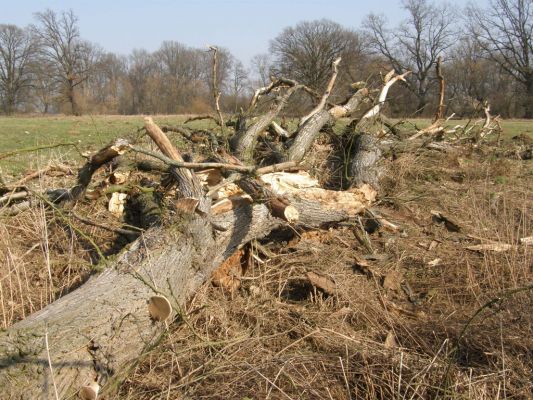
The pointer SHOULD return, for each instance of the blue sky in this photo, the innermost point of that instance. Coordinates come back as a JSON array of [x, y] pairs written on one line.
[[243, 26]]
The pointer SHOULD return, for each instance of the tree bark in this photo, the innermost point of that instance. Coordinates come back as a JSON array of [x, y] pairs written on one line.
[[243, 142], [309, 131], [528, 113], [365, 166], [98, 331]]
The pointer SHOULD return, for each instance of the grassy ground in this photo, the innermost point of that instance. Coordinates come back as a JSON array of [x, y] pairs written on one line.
[[91, 133]]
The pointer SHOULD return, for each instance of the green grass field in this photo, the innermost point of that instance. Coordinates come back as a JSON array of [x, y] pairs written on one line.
[[88, 132], [93, 132]]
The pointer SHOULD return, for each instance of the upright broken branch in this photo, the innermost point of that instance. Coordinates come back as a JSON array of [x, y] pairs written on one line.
[[390, 79], [243, 143], [326, 94], [216, 91], [308, 132], [439, 115]]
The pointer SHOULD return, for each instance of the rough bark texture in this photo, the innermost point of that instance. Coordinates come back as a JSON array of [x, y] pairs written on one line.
[[365, 166], [311, 128], [307, 135], [99, 330], [243, 142]]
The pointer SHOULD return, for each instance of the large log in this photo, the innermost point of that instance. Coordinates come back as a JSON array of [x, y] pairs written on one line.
[[98, 331]]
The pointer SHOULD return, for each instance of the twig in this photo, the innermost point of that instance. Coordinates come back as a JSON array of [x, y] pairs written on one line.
[[120, 231], [37, 148], [230, 167], [69, 223], [50, 364], [200, 117]]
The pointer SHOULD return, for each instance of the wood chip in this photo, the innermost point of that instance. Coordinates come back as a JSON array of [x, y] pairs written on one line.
[[322, 282], [116, 203], [393, 280], [390, 341], [496, 247], [527, 241], [435, 262]]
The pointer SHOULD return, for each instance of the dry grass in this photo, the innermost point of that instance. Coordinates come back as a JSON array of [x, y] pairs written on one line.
[[404, 331], [279, 337]]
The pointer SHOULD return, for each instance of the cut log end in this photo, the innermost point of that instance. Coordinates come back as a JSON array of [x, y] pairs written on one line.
[[291, 214], [89, 392], [159, 308]]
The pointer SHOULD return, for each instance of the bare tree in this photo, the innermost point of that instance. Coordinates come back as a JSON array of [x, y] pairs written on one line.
[[415, 44], [504, 31], [261, 65], [239, 81], [61, 43], [181, 73], [141, 66], [305, 52], [16, 51]]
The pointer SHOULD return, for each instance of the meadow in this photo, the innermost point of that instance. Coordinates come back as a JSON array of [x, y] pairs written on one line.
[[90, 133]]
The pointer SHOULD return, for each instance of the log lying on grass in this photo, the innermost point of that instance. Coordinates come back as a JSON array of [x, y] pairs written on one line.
[[90, 338], [98, 331]]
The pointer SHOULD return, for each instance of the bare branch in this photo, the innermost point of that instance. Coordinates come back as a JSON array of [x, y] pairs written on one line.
[[326, 94]]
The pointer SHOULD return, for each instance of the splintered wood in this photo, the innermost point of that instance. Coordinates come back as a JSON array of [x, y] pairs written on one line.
[[301, 186]]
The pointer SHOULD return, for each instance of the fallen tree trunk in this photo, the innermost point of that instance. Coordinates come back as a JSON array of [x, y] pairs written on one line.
[[99, 330]]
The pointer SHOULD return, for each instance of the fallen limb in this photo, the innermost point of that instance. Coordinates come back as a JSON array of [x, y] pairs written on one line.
[[98, 331], [326, 94], [308, 132]]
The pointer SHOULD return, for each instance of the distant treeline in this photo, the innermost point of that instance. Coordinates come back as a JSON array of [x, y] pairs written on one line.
[[487, 55]]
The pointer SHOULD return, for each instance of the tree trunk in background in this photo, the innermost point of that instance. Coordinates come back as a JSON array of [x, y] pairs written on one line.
[[71, 98], [528, 106]]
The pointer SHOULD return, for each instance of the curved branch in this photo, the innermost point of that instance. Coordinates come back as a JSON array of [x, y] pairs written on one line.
[[390, 79], [326, 94]]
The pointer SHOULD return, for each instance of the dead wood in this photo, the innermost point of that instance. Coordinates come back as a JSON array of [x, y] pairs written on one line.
[[96, 332], [243, 142], [91, 337], [364, 166], [85, 174], [188, 183], [309, 131], [215, 89]]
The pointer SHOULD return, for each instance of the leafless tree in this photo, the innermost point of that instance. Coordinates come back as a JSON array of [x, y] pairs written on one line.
[[239, 82], [305, 52], [60, 41], [16, 52], [261, 65], [141, 66], [416, 43], [181, 72], [504, 31]]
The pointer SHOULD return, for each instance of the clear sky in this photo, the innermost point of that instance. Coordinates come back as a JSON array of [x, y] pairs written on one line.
[[243, 26]]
